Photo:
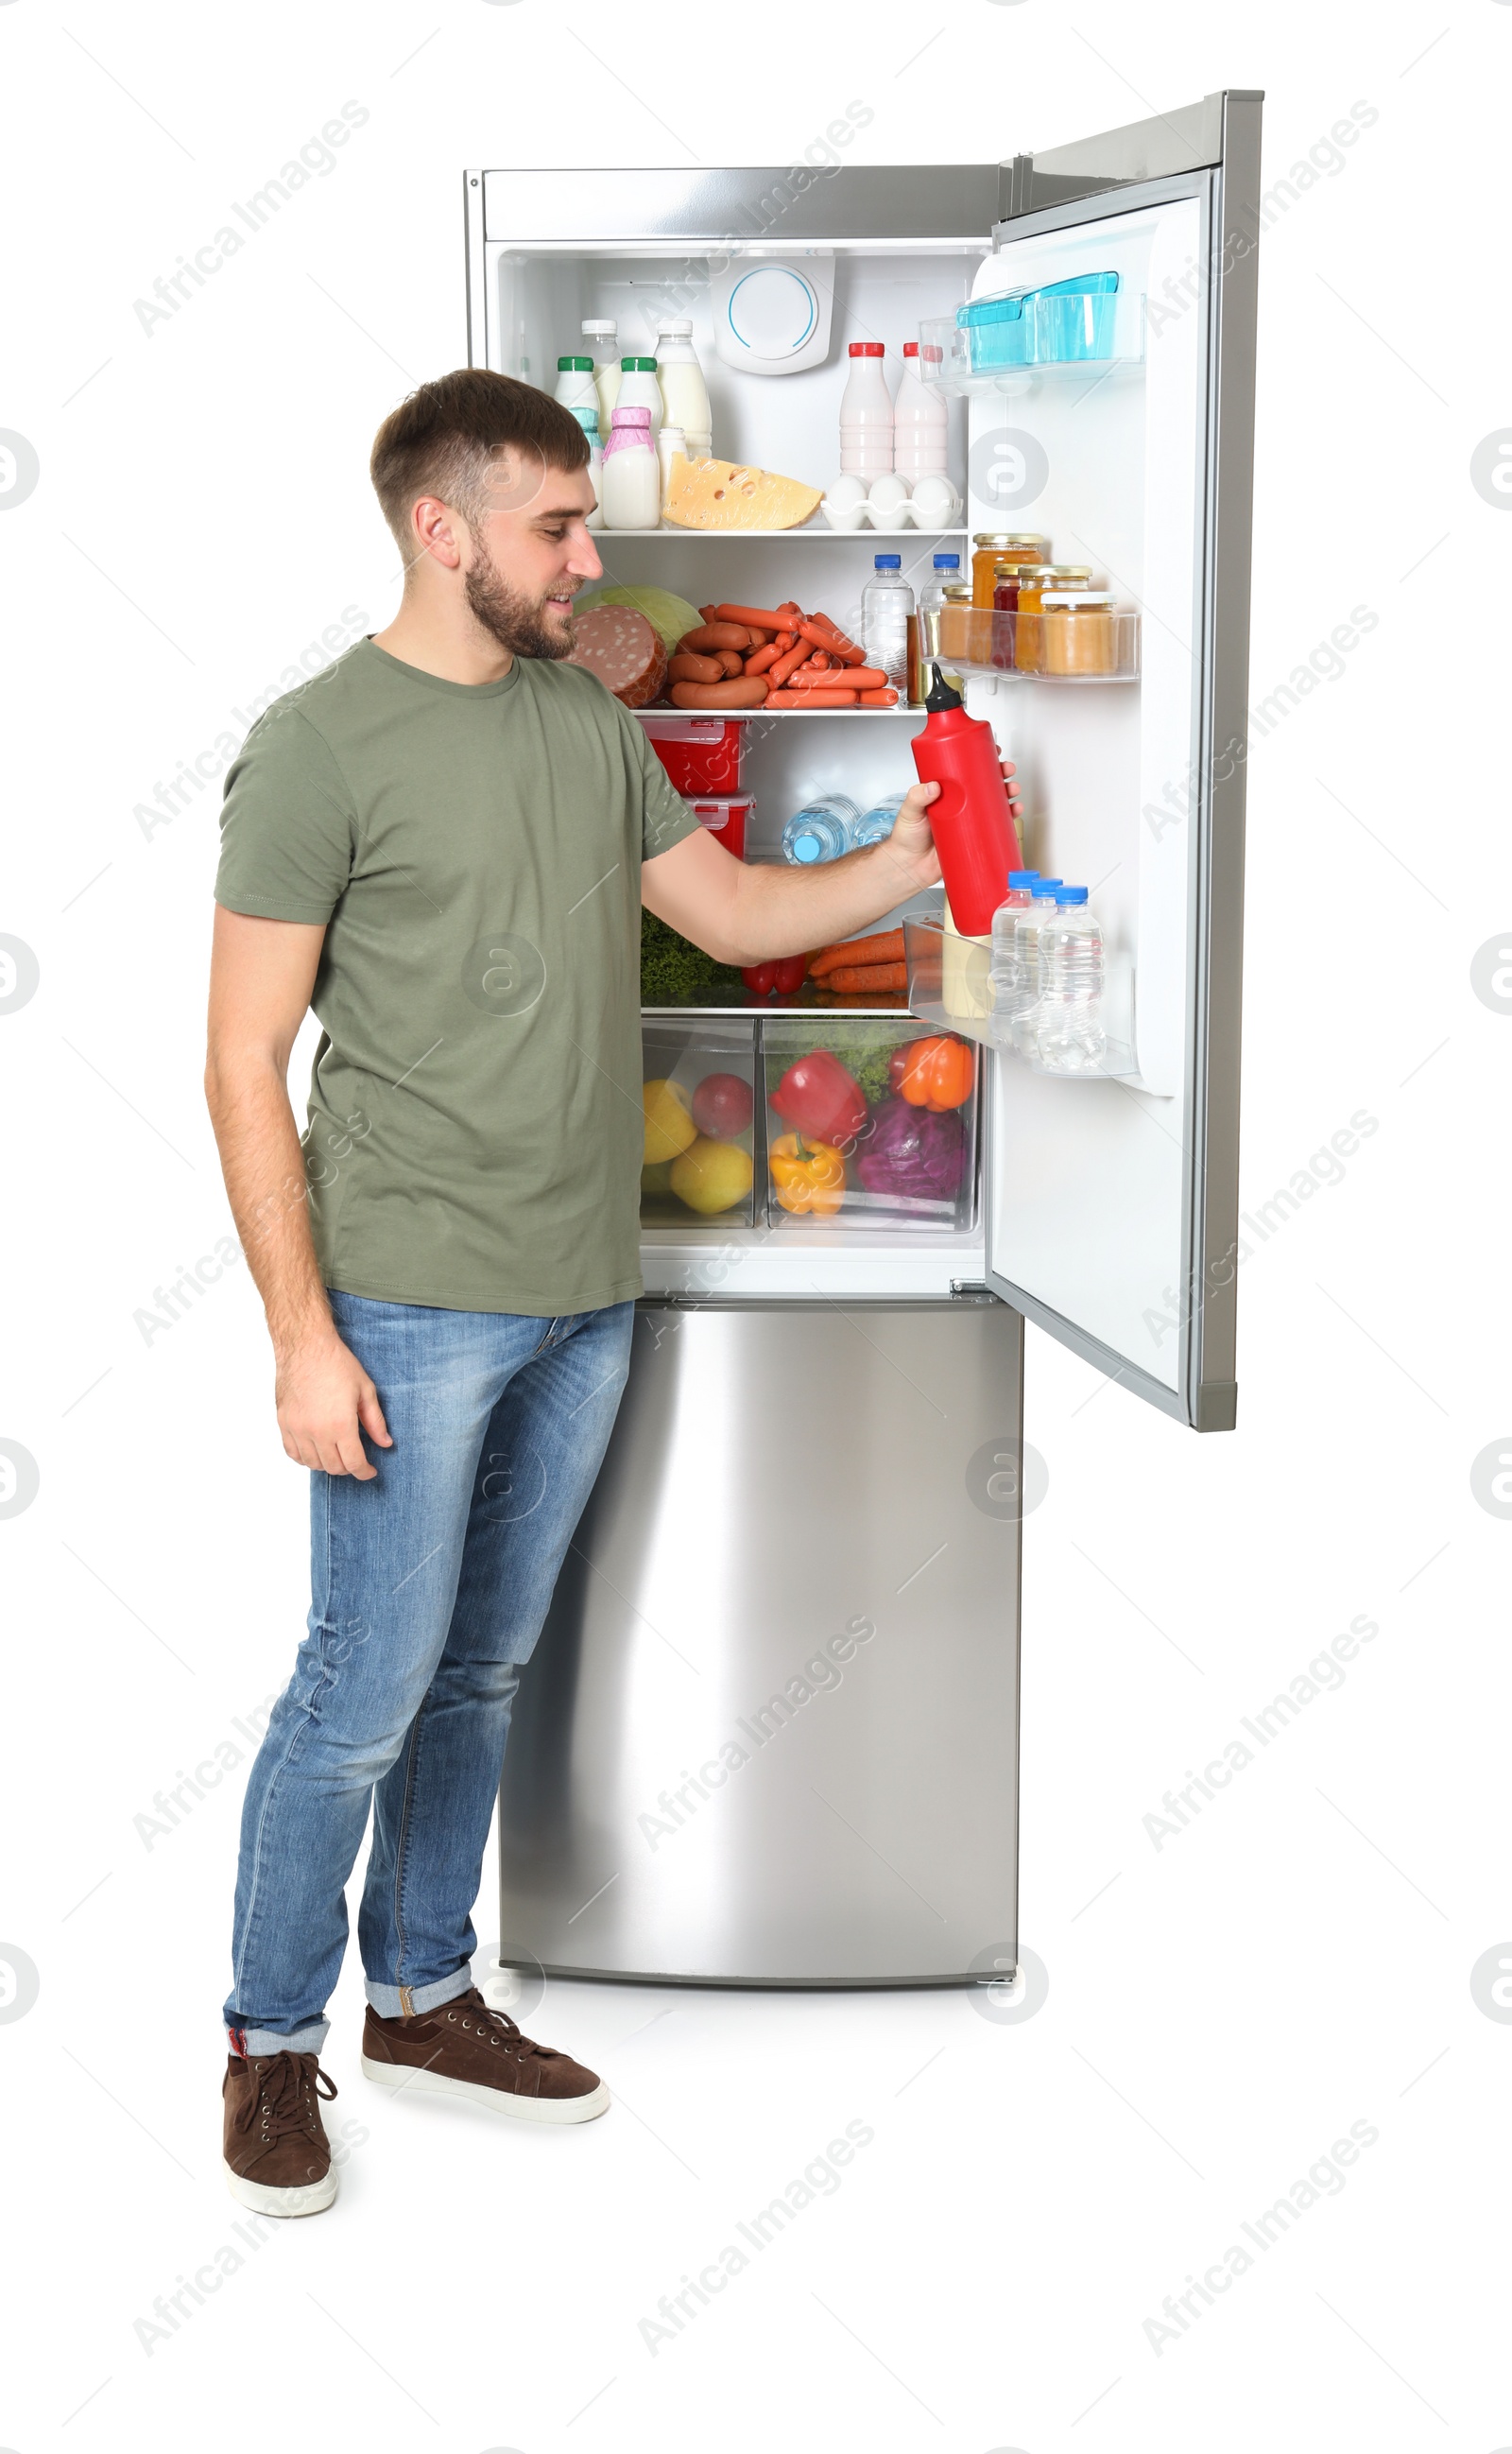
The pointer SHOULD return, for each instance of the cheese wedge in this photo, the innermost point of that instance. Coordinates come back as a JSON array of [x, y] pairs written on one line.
[[717, 495]]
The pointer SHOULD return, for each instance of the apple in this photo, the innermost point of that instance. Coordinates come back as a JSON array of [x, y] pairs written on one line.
[[722, 1106]]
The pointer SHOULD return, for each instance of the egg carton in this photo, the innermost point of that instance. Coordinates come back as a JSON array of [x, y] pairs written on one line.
[[890, 504]]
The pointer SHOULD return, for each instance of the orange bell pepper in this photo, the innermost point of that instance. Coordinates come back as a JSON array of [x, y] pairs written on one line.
[[935, 1073], [810, 1176]]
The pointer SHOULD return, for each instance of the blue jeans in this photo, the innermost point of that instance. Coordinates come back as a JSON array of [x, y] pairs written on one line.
[[429, 1588]]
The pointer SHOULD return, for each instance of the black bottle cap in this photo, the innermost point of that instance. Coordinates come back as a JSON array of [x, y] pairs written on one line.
[[941, 694]]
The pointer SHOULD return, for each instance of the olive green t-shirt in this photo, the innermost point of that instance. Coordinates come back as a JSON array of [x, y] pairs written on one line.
[[475, 1117]]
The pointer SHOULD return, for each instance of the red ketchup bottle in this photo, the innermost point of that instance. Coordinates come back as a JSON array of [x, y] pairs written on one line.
[[971, 821]]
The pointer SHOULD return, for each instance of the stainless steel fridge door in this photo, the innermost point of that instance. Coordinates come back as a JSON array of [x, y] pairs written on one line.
[[771, 1732], [1112, 1215]]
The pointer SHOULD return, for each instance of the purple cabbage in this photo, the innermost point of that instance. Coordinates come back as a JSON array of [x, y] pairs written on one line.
[[912, 1153]]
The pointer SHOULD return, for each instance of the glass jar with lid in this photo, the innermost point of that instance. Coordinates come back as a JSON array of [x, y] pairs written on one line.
[[1077, 636], [1032, 585], [993, 547], [955, 622]]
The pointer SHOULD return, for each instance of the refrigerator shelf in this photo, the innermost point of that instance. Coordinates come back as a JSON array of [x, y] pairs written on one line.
[[1016, 647], [785, 715], [949, 984], [1053, 343], [816, 527]]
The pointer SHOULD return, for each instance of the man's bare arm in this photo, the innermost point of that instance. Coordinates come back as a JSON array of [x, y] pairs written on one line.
[[262, 973], [746, 912]]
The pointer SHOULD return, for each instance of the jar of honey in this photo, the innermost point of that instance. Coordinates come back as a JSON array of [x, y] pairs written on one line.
[[1003, 546], [1032, 585], [959, 626], [1076, 633]]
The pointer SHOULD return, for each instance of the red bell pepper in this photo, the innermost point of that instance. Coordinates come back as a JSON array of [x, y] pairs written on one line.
[[821, 1100], [784, 978]]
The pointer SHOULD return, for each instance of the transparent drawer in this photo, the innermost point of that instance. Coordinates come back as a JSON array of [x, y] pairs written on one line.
[[869, 1124], [699, 1095], [1064, 333], [1059, 645]]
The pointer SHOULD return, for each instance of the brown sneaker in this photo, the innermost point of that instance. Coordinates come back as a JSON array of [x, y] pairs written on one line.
[[463, 2049], [277, 2154]]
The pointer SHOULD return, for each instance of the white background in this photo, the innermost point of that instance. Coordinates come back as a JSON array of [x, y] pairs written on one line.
[[1221, 2009]]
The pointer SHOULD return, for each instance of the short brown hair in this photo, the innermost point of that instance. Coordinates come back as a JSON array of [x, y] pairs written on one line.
[[443, 440]]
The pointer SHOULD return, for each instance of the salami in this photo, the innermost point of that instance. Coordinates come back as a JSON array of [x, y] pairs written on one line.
[[622, 650]]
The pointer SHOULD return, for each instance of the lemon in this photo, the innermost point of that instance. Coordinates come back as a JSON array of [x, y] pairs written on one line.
[[669, 1126], [711, 1176]]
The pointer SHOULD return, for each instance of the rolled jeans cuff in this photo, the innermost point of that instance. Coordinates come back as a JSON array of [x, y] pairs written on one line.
[[409, 2001], [308, 2039]]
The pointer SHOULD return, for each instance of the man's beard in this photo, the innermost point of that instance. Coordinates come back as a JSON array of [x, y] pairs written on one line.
[[516, 621]]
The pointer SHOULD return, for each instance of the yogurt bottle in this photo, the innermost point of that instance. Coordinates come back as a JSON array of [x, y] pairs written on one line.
[[632, 478], [685, 395], [575, 387], [588, 420], [600, 333], [639, 389]]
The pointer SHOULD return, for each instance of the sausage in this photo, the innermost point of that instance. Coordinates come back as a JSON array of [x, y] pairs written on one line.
[[858, 677], [695, 669], [833, 642], [789, 663], [877, 699], [819, 698], [731, 662], [731, 693], [712, 635], [763, 659], [751, 613]]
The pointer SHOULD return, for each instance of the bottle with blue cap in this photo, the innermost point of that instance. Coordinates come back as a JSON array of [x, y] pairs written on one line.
[[926, 642], [1069, 1033], [887, 602], [1005, 971], [1014, 1003]]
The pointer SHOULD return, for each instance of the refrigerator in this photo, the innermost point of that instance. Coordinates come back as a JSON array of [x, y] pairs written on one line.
[[771, 1732]]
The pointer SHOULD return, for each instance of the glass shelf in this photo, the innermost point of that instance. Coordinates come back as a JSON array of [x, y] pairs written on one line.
[[1037, 647], [815, 526], [663, 711], [949, 984]]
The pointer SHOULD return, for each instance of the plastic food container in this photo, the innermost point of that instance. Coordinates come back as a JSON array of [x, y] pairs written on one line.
[[999, 332], [898, 1103], [701, 755], [726, 819], [699, 1091], [1074, 319]]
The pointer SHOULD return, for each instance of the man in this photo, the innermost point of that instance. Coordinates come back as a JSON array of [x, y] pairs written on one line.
[[442, 845]]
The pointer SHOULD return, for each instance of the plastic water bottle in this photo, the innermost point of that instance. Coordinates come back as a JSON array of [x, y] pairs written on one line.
[[887, 602], [1070, 1036], [927, 628], [821, 830], [1027, 924], [875, 825], [1007, 968]]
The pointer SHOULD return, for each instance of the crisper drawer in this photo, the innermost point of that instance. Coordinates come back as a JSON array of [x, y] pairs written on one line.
[[698, 1089], [870, 1123]]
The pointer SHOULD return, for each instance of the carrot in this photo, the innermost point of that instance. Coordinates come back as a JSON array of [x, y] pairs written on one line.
[[748, 614], [885, 946], [763, 659], [878, 698], [858, 980], [788, 664]]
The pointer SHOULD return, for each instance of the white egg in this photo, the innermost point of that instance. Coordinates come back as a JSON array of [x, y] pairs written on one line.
[[936, 504], [845, 502], [888, 503]]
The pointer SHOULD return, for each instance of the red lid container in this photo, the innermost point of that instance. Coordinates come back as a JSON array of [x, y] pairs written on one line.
[[725, 818], [701, 754]]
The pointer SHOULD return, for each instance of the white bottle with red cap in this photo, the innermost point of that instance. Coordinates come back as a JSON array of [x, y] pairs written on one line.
[[921, 425], [865, 416]]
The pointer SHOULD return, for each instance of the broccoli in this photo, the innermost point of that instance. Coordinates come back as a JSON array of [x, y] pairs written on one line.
[[675, 973]]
